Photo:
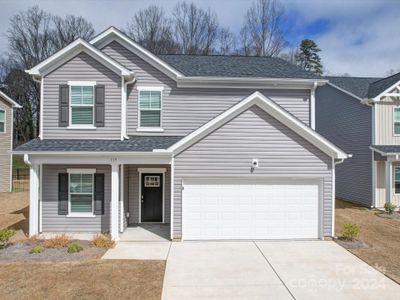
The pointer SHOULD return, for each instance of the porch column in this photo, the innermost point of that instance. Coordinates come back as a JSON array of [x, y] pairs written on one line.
[[34, 200], [388, 180], [114, 200]]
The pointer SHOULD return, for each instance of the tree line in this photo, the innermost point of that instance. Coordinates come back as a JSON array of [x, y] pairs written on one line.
[[34, 34]]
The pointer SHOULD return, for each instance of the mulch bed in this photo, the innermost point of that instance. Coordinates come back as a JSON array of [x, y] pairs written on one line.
[[393, 216], [20, 252], [356, 244]]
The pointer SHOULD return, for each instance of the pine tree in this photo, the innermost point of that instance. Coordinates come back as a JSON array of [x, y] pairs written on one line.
[[308, 57]]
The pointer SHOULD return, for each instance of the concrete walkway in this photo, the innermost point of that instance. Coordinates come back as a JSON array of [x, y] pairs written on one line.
[[271, 270]]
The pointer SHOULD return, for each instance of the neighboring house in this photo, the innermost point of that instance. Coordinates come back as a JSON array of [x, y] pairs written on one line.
[[219, 147], [7, 106], [362, 117]]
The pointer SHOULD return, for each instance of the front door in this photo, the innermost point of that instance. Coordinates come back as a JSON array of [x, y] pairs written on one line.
[[152, 197]]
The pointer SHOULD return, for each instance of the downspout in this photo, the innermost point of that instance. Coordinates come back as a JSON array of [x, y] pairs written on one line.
[[312, 105], [40, 81], [124, 103]]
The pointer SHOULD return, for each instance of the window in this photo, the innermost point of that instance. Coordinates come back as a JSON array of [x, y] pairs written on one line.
[[152, 181], [2, 121], [396, 120], [81, 193], [82, 105], [397, 180], [150, 109]]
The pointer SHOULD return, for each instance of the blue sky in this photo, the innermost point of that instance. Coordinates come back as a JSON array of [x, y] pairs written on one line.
[[358, 37]]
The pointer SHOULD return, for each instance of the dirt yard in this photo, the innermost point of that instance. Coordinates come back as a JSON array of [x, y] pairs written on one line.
[[383, 235], [93, 279]]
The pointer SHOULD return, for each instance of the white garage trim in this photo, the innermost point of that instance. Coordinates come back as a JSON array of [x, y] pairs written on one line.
[[237, 182]]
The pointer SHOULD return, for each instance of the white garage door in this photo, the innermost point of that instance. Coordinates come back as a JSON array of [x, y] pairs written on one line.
[[250, 211]]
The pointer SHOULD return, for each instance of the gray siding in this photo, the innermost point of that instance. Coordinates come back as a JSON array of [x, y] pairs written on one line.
[[133, 192], [344, 121], [384, 122], [5, 148], [186, 109], [82, 68], [52, 222], [228, 151]]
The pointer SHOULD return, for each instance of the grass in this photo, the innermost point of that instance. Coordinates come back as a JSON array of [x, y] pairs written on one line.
[[98, 279], [382, 234]]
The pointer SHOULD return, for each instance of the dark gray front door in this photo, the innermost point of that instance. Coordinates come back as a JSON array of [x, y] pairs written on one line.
[[152, 197]]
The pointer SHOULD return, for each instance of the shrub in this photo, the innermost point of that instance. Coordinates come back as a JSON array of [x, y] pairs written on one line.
[[351, 231], [59, 241], [74, 248], [103, 241], [5, 235], [390, 207], [36, 250]]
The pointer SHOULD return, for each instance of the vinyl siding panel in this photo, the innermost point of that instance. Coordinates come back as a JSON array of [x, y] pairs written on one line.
[[133, 192], [5, 148], [346, 122], [82, 68], [186, 109], [384, 122], [228, 151], [52, 222]]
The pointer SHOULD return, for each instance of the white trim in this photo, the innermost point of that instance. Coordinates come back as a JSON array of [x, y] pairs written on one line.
[[81, 171], [9, 100], [121, 198], [312, 105], [388, 180], [374, 163], [378, 97], [114, 224], [124, 91], [33, 200], [333, 196], [161, 171], [71, 51], [113, 34], [80, 215], [172, 181], [275, 111], [150, 88], [41, 108], [81, 127], [346, 92], [40, 197], [149, 129], [5, 122], [82, 83], [11, 147]]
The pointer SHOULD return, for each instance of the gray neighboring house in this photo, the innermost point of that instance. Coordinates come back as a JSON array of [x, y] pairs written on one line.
[[7, 106], [217, 147], [362, 116]]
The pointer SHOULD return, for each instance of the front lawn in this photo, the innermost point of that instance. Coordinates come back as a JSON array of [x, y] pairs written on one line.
[[383, 236]]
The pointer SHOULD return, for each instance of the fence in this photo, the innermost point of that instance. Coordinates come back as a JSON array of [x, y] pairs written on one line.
[[20, 180]]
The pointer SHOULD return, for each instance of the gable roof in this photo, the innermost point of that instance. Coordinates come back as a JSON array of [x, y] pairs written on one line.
[[271, 108], [380, 86], [9, 100], [70, 51], [235, 66], [357, 86]]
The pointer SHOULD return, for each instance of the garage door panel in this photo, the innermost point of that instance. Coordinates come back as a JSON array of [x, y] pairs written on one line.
[[250, 211]]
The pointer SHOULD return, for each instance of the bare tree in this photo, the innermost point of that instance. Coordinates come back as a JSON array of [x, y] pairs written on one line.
[[291, 55], [195, 29], [261, 29], [69, 29], [152, 29], [33, 36], [226, 41]]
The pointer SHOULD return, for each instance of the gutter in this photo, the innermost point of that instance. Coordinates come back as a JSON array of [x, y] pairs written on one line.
[[123, 107]]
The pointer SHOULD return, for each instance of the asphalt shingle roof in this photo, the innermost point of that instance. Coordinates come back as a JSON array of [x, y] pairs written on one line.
[[381, 85], [387, 148], [133, 144], [235, 66], [356, 85]]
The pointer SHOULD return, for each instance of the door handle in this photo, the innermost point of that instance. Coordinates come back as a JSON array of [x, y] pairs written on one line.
[[142, 199]]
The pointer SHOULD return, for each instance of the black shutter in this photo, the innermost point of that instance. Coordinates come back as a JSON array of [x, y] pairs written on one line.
[[64, 105], [99, 194], [99, 105], [63, 194]]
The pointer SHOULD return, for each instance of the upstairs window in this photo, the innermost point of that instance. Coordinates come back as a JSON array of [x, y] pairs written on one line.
[[82, 105], [2, 121], [150, 109], [396, 120]]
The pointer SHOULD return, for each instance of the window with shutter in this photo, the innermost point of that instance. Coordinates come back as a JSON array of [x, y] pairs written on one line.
[[81, 192], [149, 109], [2, 121], [82, 105]]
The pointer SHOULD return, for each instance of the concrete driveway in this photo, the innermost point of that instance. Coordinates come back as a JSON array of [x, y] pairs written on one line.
[[271, 270]]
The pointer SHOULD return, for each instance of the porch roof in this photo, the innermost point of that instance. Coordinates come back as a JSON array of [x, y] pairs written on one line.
[[133, 144], [386, 149]]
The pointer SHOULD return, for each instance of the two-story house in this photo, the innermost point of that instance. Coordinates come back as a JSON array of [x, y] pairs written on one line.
[[214, 147], [7, 106], [362, 116]]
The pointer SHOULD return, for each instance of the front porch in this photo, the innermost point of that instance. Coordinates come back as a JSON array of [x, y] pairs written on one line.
[[146, 233]]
